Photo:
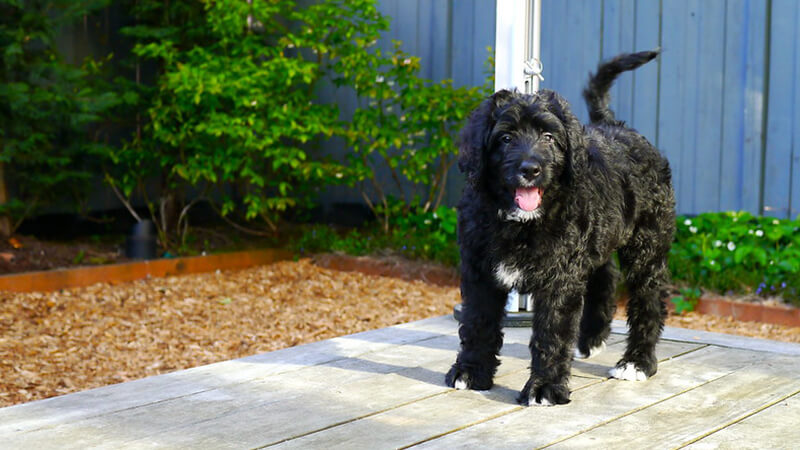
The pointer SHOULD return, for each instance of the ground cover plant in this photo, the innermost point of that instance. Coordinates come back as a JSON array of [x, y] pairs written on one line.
[[736, 252]]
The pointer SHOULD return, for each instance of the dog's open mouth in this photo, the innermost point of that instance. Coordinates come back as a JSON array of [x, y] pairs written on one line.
[[528, 198]]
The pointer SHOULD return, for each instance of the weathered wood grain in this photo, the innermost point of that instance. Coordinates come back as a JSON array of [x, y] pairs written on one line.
[[385, 389], [599, 404], [682, 418], [774, 427]]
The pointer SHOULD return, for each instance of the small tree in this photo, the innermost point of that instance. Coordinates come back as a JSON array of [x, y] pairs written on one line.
[[46, 107]]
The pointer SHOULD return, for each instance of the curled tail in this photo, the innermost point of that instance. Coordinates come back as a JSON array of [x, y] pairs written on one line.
[[596, 92]]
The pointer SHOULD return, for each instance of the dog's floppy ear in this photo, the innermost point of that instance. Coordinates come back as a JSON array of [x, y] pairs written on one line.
[[474, 137], [576, 154]]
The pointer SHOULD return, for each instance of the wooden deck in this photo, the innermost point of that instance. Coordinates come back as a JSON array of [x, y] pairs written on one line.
[[384, 389]]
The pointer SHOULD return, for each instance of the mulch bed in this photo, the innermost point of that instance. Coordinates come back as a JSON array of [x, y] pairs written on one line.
[[60, 342], [75, 339]]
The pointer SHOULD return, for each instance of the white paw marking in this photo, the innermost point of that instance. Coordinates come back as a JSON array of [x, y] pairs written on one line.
[[544, 402], [594, 351], [507, 276], [520, 215], [627, 372], [460, 385]]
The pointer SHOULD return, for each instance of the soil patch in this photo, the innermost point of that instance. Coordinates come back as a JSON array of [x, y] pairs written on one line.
[[27, 254]]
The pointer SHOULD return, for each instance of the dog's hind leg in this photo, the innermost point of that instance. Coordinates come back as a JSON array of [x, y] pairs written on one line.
[[647, 276], [483, 309], [598, 310]]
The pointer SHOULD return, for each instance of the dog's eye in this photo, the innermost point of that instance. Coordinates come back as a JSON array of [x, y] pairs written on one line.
[[505, 139], [547, 137]]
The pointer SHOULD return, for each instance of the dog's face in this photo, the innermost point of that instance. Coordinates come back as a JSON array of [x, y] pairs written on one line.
[[519, 149]]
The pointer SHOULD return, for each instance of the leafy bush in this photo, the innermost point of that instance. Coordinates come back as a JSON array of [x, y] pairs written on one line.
[[234, 102], [46, 108], [735, 251], [408, 127], [233, 113]]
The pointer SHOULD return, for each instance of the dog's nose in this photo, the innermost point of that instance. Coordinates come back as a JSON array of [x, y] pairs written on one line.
[[530, 170]]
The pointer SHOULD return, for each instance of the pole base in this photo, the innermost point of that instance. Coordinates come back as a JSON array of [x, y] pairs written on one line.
[[511, 320]]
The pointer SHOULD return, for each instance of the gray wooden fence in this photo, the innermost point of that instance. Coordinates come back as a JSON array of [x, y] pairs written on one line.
[[722, 102]]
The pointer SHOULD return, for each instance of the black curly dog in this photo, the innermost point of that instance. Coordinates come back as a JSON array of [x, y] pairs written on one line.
[[547, 203]]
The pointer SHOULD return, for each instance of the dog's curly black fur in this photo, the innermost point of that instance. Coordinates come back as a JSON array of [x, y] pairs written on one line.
[[547, 203]]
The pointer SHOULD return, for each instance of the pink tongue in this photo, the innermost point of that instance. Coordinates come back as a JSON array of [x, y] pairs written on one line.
[[528, 199]]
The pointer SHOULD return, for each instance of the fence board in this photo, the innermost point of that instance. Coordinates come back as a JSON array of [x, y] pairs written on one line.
[[745, 40], [644, 112], [782, 109], [710, 61], [674, 114], [618, 24], [571, 45]]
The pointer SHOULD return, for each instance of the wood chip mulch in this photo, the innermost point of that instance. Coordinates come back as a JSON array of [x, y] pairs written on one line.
[[60, 342]]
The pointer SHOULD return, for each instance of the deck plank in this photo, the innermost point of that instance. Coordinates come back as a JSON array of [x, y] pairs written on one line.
[[773, 427]]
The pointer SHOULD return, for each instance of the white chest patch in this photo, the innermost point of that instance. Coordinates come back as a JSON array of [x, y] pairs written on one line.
[[519, 215], [507, 276]]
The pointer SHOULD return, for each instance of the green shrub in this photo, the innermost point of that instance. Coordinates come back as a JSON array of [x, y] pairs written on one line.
[[407, 127], [47, 106], [233, 112], [737, 252]]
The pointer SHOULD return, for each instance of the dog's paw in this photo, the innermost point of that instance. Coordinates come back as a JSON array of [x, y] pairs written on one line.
[[627, 371], [545, 395], [460, 379], [594, 351]]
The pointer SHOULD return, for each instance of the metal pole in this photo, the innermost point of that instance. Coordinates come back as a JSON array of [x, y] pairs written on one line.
[[518, 65]]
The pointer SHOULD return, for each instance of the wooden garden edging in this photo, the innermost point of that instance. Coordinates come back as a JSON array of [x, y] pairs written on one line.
[[750, 312], [52, 280]]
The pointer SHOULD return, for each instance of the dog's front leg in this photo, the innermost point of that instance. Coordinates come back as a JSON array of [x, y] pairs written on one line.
[[481, 334], [554, 327]]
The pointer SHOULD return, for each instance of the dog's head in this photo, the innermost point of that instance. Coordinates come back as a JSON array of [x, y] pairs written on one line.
[[517, 149]]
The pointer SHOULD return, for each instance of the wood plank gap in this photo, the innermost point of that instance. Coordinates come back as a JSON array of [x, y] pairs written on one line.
[[633, 411], [738, 419], [691, 350], [496, 416], [354, 419]]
